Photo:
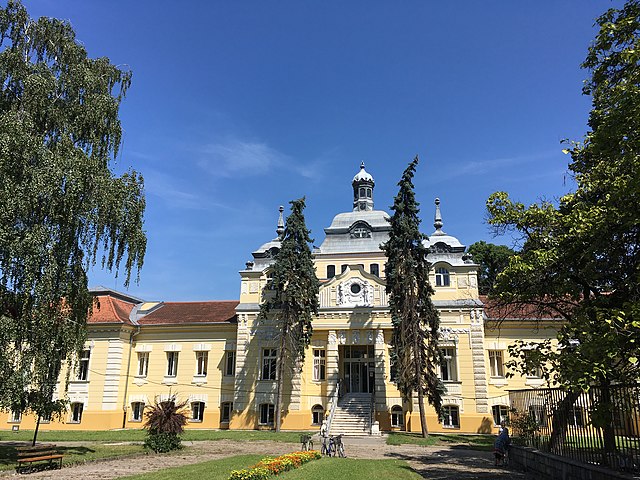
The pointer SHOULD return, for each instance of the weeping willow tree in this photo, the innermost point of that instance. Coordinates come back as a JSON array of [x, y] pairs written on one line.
[[291, 300], [414, 343], [62, 209]]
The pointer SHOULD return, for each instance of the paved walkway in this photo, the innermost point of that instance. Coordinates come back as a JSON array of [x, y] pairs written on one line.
[[436, 463]]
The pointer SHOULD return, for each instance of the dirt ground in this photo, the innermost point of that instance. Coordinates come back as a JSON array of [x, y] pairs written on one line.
[[449, 462]]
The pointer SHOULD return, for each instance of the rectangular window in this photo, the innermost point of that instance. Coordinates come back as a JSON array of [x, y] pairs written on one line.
[[269, 364], [172, 364], [16, 416], [266, 414], [137, 409], [225, 412], [83, 365], [449, 368], [230, 363], [533, 370], [197, 411], [319, 364], [496, 363], [576, 417], [539, 414], [500, 414], [331, 271], [374, 268], [202, 358], [76, 412], [143, 364], [451, 417]]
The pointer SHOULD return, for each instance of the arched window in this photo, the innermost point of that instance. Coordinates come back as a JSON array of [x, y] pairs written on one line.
[[368, 193], [266, 414], [362, 192], [450, 416], [317, 414], [442, 277], [397, 417]]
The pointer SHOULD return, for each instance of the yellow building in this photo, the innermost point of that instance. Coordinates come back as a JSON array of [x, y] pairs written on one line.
[[221, 360]]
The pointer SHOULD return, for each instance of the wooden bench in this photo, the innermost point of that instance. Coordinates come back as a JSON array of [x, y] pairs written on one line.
[[39, 453]]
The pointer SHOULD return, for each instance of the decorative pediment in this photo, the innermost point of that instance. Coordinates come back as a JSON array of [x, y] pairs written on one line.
[[353, 288]]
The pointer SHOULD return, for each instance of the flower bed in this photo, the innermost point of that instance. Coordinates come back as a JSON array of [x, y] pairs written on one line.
[[274, 466]]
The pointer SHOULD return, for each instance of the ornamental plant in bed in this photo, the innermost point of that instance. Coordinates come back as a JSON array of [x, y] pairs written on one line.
[[275, 466]]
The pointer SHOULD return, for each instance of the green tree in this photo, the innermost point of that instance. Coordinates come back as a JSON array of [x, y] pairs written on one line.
[[580, 259], [415, 353], [291, 299], [61, 208], [492, 260]]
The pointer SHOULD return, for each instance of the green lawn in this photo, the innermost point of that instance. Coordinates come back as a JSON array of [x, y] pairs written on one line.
[[215, 469], [474, 442], [74, 455], [139, 435], [314, 470]]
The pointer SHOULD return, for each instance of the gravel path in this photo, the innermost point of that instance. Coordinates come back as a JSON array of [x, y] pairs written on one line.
[[443, 462]]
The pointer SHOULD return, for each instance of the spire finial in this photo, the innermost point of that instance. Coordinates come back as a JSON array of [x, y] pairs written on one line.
[[438, 218], [362, 165], [280, 229]]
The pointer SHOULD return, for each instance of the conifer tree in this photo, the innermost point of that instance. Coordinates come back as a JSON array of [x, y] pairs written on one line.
[[292, 299], [414, 343]]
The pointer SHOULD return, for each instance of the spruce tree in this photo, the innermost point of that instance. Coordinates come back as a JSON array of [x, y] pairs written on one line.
[[414, 343], [292, 299]]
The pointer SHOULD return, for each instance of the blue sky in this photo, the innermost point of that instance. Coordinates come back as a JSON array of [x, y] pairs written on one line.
[[238, 107]]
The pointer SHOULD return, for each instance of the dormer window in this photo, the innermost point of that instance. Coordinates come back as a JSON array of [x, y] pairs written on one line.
[[360, 230]]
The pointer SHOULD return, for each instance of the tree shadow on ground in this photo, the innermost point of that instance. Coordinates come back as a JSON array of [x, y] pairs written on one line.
[[9, 454], [457, 464]]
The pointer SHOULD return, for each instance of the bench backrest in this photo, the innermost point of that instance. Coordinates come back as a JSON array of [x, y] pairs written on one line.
[[37, 451]]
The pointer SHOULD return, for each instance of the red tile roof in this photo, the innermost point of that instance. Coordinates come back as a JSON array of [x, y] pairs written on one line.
[[517, 311], [108, 309], [192, 312]]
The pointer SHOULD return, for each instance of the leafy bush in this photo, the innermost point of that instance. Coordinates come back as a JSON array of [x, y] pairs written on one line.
[[162, 442], [164, 423]]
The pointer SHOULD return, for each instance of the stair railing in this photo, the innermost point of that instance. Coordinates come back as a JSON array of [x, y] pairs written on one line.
[[372, 412], [334, 403]]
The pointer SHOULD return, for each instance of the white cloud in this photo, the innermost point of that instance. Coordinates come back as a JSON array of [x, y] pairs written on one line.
[[481, 167], [168, 189], [236, 156]]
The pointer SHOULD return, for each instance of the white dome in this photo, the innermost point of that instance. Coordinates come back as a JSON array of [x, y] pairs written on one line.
[[363, 175]]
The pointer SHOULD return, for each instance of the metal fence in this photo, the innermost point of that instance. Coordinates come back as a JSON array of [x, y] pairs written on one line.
[[601, 426]]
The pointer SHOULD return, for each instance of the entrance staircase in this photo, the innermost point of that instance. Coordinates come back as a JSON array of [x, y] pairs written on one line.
[[352, 415]]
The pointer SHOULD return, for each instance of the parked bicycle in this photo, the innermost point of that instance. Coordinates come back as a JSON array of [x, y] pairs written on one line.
[[339, 447], [333, 446], [307, 443]]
